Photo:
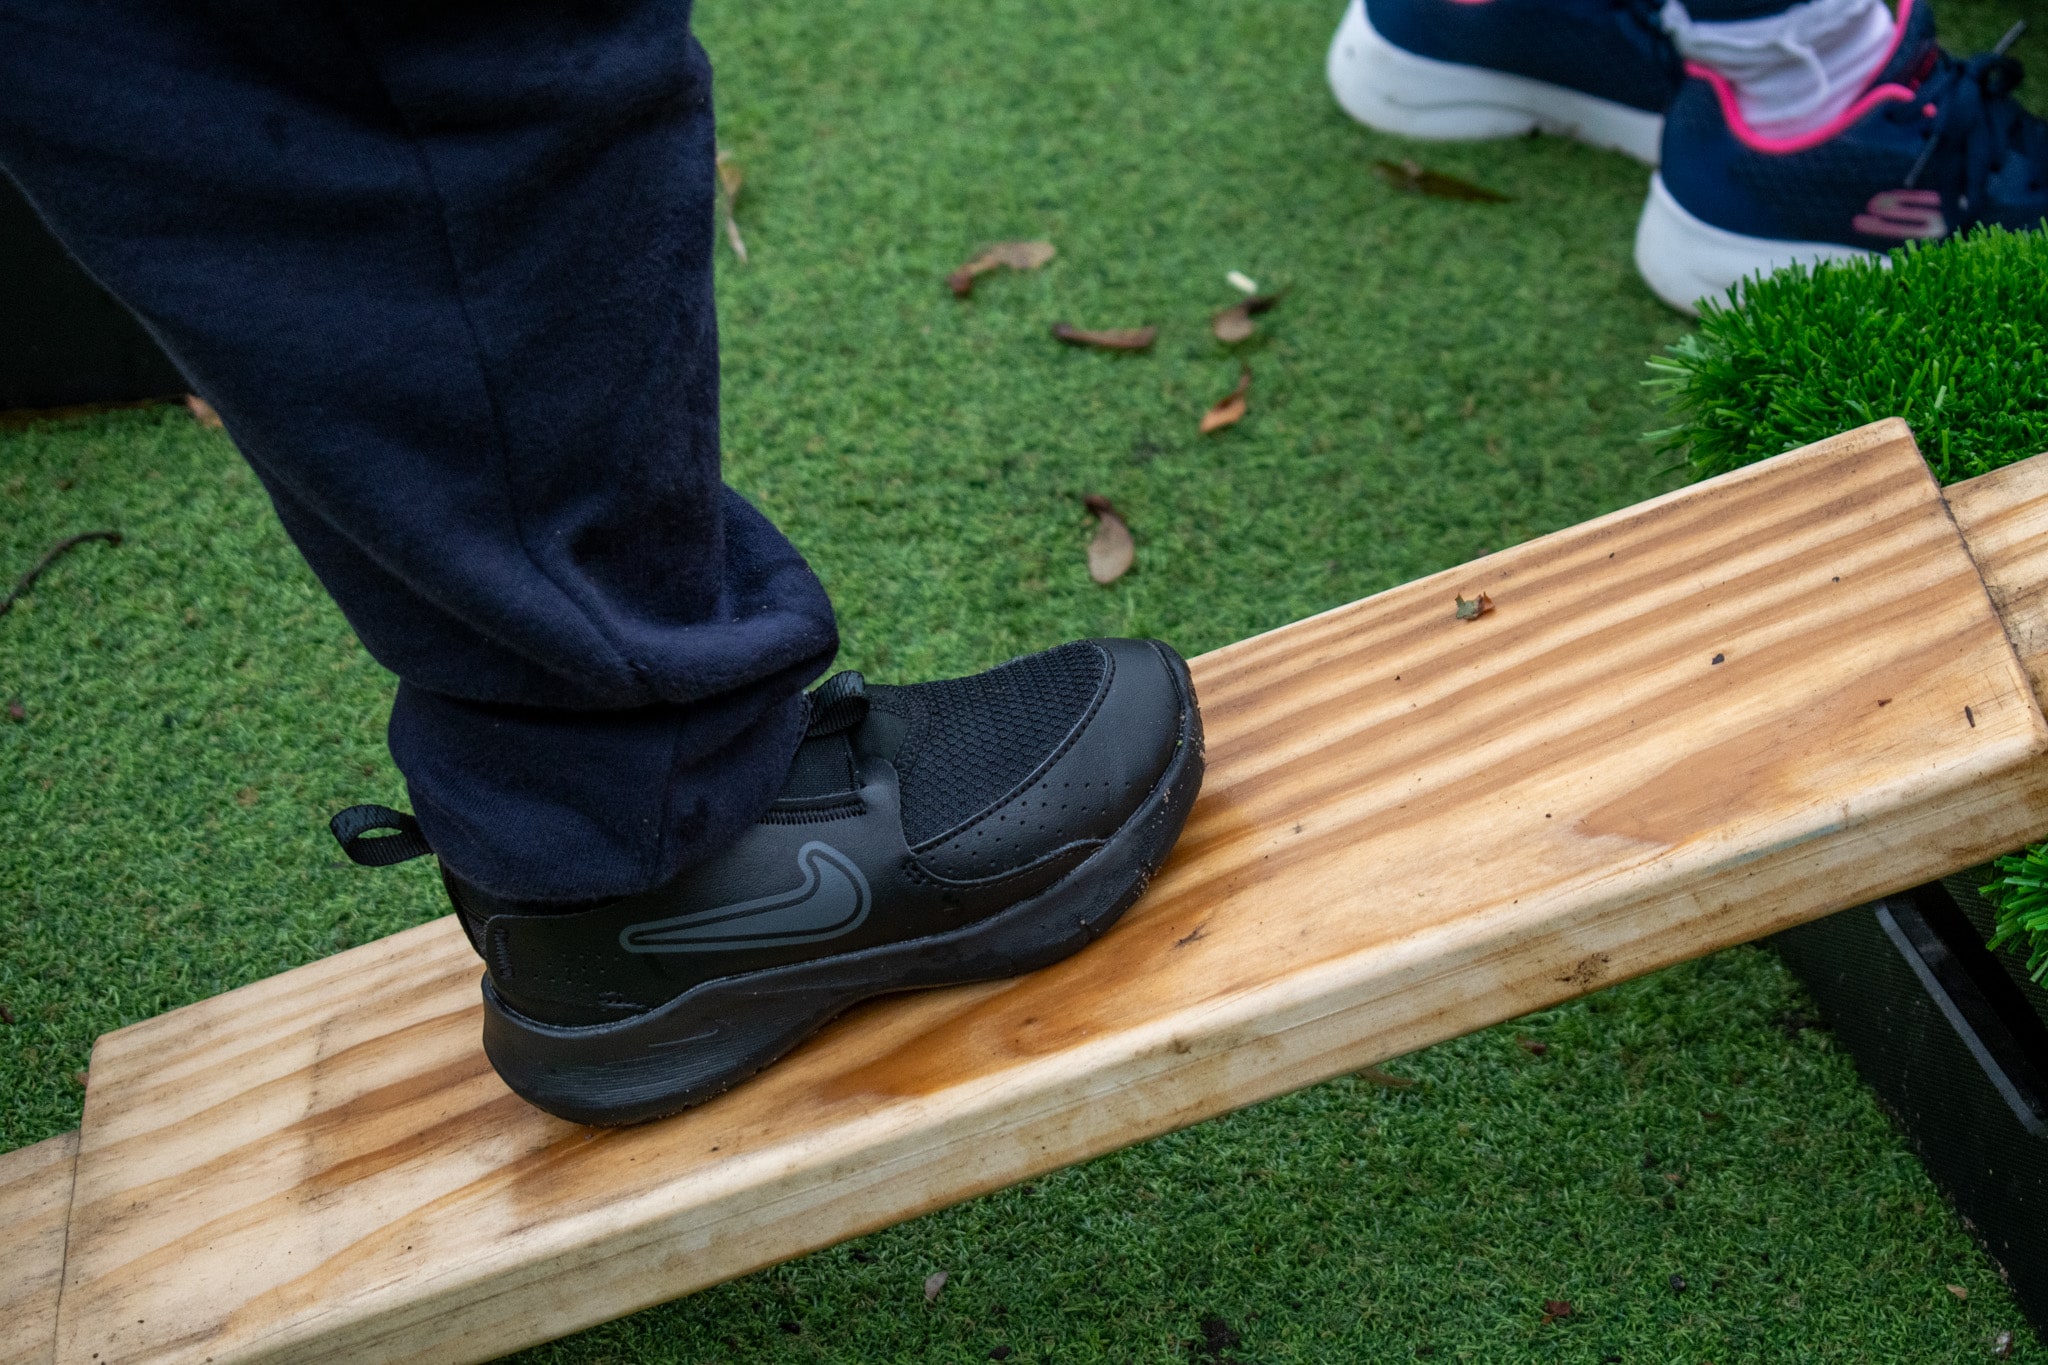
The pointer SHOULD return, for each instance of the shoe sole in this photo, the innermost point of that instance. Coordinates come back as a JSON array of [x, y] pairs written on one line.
[[715, 1035], [1685, 259], [1396, 91]]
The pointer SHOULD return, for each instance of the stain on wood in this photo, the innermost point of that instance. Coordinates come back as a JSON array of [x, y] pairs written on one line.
[[1411, 829]]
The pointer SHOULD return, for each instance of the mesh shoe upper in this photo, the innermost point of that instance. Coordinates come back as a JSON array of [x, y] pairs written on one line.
[[972, 740], [1933, 146], [1613, 49]]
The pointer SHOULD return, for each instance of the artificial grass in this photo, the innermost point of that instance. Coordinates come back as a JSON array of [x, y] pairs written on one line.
[[1948, 336], [1443, 379]]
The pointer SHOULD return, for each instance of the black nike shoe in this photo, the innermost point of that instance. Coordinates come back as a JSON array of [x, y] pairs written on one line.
[[927, 835]]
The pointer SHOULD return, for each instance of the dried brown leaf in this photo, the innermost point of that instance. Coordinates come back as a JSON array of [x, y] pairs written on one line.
[[933, 1283], [1531, 1045], [1230, 409], [1385, 1078], [1234, 324], [1554, 1309], [1022, 255], [730, 176], [1111, 339], [1407, 175], [202, 412], [1015, 255], [1112, 552], [730, 179], [1474, 609], [1959, 1291]]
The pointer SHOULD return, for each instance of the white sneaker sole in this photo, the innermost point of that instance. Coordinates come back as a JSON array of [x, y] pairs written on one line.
[[1684, 259], [1396, 91]]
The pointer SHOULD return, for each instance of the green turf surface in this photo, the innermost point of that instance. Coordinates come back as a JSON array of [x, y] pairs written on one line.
[[1443, 379], [1948, 337]]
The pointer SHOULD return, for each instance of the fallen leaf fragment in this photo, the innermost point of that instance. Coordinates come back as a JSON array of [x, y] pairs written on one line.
[[1240, 281], [202, 412], [80, 1078], [933, 1283], [16, 712], [1406, 175], [1229, 410], [1112, 552], [1474, 609], [1959, 1291], [1388, 1079], [1015, 255], [1553, 1309], [1111, 339], [1234, 324], [730, 179], [1532, 1047]]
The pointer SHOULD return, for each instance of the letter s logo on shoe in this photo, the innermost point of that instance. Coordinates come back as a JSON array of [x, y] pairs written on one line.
[[832, 900], [1902, 214]]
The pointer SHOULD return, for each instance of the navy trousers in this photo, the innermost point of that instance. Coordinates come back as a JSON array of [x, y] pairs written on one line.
[[444, 268]]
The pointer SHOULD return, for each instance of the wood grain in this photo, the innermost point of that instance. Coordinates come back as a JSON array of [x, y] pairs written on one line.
[[2003, 516], [1685, 725], [35, 1201]]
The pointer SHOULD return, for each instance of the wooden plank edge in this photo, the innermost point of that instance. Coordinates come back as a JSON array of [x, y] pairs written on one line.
[[2003, 519], [35, 1212]]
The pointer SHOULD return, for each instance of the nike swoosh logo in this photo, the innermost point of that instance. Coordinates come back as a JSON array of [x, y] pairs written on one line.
[[833, 899]]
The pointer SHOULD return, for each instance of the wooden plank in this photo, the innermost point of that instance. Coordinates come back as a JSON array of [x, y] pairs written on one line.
[[1687, 724], [2003, 516], [35, 1201]]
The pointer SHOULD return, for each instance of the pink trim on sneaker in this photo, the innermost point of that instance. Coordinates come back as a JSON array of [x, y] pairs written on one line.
[[1731, 110]]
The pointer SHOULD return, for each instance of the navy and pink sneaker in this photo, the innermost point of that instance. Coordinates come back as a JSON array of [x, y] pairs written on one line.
[[1932, 146], [1601, 71]]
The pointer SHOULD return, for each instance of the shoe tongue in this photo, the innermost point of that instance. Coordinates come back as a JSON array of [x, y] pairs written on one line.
[[1916, 54]]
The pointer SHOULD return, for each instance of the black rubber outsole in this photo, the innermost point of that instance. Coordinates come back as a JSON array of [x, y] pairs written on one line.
[[713, 1036]]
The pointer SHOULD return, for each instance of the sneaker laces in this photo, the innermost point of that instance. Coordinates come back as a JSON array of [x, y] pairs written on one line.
[[1977, 113]]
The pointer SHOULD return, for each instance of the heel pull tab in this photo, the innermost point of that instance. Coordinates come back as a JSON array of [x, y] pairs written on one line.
[[352, 827], [838, 704]]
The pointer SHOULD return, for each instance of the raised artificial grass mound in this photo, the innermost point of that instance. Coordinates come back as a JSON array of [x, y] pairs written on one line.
[[1948, 336]]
